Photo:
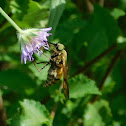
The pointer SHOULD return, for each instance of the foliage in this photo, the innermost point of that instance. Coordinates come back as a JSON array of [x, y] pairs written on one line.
[[33, 114], [96, 77], [81, 86]]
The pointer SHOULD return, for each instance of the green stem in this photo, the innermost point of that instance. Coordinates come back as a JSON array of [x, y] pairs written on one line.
[[11, 21]]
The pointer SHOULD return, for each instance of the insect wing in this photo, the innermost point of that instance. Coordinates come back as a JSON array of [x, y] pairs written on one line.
[[66, 89], [65, 83]]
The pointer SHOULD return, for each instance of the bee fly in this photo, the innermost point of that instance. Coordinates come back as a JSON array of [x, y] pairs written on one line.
[[58, 68]]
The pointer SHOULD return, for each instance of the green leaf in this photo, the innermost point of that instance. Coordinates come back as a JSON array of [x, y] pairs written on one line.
[[57, 7], [99, 35], [95, 43], [116, 13], [35, 11], [71, 28], [121, 39], [118, 106], [115, 123], [16, 80], [19, 8], [34, 114], [104, 110], [117, 76], [81, 86], [108, 85], [105, 20], [42, 75], [3, 3], [91, 117], [122, 4]]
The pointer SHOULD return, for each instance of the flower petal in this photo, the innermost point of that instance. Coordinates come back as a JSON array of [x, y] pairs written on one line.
[[29, 47], [46, 29], [36, 40]]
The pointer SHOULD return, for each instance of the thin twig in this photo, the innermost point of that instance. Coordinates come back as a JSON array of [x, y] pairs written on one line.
[[110, 68], [101, 3], [80, 5], [108, 72], [2, 113], [87, 65], [46, 99], [53, 112], [90, 6]]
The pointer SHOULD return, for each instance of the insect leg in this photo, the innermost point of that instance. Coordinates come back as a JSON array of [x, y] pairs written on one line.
[[39, 63], [54, 50], [46, 56], [36, 66], [44, 66]]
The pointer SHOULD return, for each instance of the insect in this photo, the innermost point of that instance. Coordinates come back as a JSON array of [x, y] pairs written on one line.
[[58, 68]]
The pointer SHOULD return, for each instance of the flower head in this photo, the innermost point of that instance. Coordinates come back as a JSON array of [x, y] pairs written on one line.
[[31, 41]]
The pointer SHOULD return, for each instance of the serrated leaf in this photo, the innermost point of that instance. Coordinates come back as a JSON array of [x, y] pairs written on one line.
[[92, 117], [57, 7], [35, 11], [81, 86], [34, 114]]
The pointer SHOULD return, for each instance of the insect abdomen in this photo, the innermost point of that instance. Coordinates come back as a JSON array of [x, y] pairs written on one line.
[[53, 76]]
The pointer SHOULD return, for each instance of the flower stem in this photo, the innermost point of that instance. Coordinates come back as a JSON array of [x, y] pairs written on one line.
[[11, 21]]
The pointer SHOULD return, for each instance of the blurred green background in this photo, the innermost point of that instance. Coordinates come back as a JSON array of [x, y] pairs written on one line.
[[93, 32]]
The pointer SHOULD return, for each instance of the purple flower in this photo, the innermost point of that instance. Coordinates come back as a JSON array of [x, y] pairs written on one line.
[[31, 41]]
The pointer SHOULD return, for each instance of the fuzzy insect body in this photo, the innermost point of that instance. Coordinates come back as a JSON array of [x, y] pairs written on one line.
[[58, 68]]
